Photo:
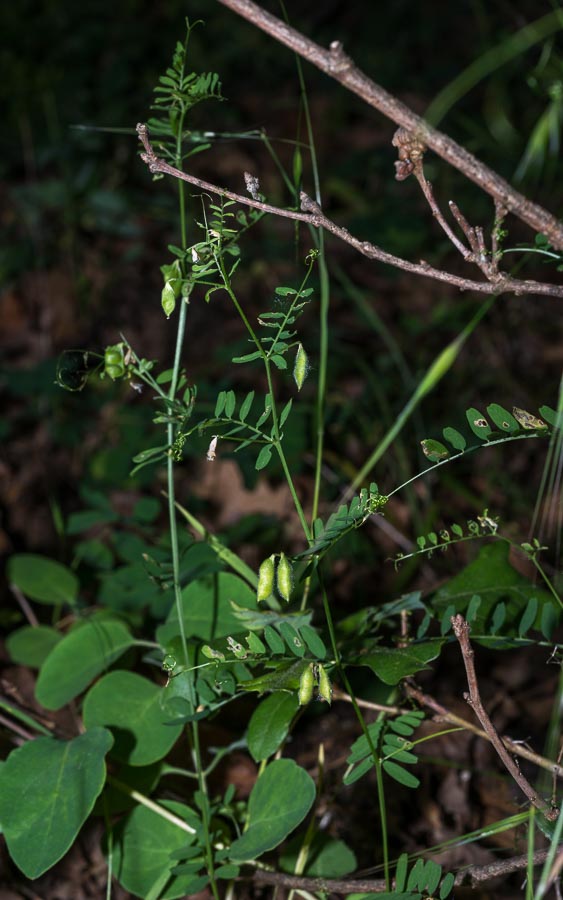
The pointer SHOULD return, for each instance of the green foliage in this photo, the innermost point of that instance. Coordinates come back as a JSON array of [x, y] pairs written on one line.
[[207, 627], [47, 791], [389, 739], [280, 800]]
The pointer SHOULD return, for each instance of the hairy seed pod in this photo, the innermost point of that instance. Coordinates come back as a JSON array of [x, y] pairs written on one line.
[[306, 686], [325, 687], [265, 579], [301, 367], [284, 578]]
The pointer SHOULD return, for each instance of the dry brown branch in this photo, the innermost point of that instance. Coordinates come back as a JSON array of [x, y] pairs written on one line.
[[444, 715], [338, 65], [461, 631], [473, 875], [313, 215]]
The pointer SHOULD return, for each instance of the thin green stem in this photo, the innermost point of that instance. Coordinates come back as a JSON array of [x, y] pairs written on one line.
[[350, 691], [275, 420], [175, 551]]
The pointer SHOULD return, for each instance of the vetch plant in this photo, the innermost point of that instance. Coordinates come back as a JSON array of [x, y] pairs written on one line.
[[184, 629]]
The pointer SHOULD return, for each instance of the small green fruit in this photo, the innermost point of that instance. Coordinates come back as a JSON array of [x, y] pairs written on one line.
[[306, 686], [284, 578], [325, 687], [301, 367], [266, 579]]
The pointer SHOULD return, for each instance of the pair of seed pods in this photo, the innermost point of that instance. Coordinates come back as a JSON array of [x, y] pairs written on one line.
[[282, 575]]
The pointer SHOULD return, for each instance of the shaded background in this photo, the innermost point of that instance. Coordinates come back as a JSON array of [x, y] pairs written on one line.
[[85, 231]]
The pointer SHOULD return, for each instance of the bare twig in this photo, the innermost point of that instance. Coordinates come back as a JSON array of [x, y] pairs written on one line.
[[25, 607], [471, 874], [461, 631], [444, 715], [314, 216], [338, 65]]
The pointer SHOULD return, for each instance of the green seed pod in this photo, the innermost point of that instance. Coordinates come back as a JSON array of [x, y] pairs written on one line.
[[168, 299], [284, 578], [306, 686], [301, 367], [266, 579], [325, 687], [114, 361]]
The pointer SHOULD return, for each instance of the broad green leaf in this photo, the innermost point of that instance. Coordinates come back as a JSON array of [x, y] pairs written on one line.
[[393, 664], [269, 724], [47, 791], [144, 846], [478, 424], [248, 357], [42, 579], [279, 361], [131, 705], [207, 606], [434, 450], [399, 774], [326, 857], [280, 800], [263, 457], [492, 578], [455, 438], [78, 658], [504, 420], [447, 885], [31, 645]]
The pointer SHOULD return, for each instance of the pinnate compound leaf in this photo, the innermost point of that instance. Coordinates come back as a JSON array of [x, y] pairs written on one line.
[[280, 800], [42, 579], [81, 656], [47, 791], [491, 577], [144, 851], [132, 705], [269, 724]]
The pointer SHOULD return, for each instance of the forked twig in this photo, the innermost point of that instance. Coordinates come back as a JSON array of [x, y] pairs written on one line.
[[313, 215], [338, 65], [461, 631]]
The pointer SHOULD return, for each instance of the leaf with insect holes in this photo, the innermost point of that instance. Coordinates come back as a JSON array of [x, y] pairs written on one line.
[[478, 424], [527, 420], [504, 420], [435, 451]]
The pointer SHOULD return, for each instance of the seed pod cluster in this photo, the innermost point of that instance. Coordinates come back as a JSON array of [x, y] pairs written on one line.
[[314, 681], [282, 575], [114, 361]]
